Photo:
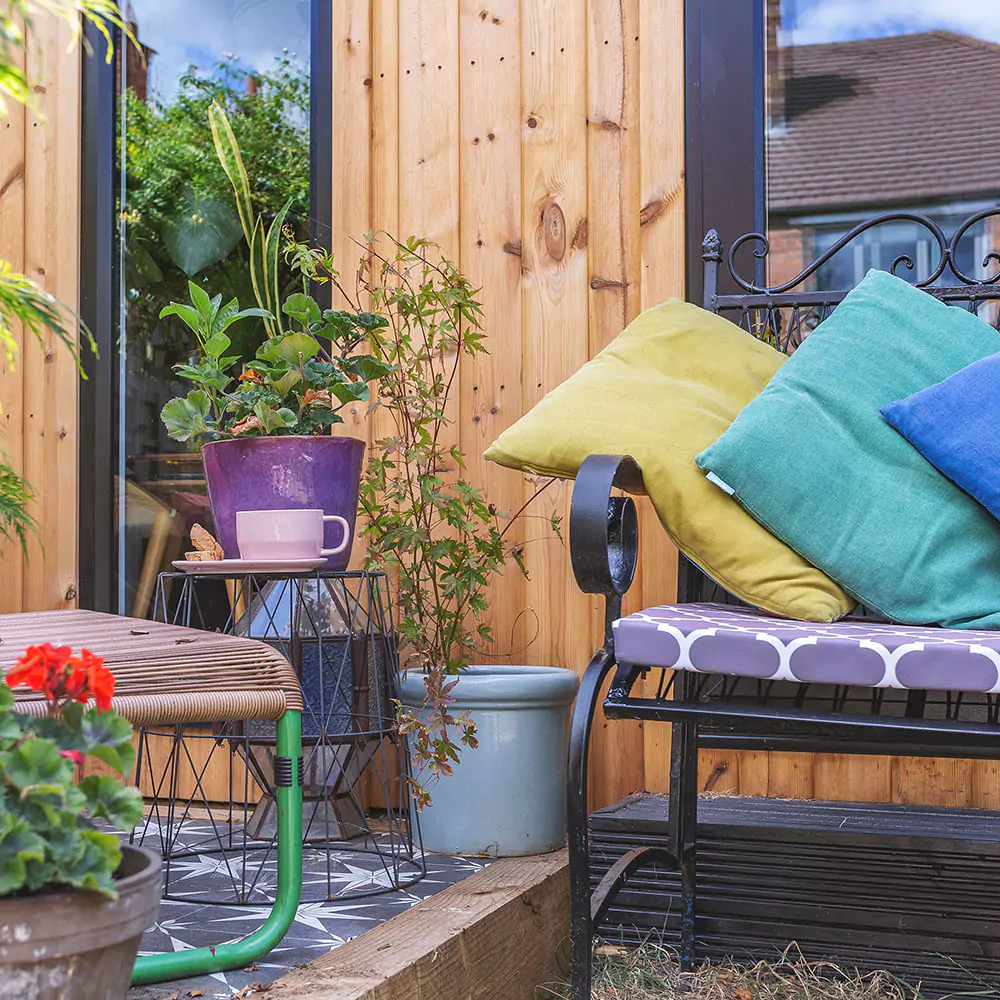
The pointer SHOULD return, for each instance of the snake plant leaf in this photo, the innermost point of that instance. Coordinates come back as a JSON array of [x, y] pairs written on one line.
[[228, 151]]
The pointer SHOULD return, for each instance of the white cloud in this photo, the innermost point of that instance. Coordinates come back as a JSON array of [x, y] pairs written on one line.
[[205, 31], [810, 21]]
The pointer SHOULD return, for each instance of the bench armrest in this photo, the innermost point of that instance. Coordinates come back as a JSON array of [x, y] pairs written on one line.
[[604, 529]]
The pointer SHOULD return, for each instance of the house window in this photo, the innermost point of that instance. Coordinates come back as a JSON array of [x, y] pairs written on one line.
[[161, 215], [868, 111]]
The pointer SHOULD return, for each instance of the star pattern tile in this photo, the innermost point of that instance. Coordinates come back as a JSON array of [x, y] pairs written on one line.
[[318, 927]]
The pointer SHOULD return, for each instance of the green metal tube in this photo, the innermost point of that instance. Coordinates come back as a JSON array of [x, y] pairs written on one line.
[[201, 961]]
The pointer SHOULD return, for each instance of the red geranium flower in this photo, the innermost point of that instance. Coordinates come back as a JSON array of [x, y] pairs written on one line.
[[62, 677], [100, 682]]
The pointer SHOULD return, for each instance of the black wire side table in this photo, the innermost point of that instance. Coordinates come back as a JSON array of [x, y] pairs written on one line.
[[336, 630]]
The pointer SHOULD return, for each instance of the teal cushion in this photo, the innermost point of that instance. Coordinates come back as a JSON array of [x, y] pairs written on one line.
[[812, 459]]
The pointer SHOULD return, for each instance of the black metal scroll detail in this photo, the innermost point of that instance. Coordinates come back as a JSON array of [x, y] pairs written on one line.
[[947, 249], [604, 529]]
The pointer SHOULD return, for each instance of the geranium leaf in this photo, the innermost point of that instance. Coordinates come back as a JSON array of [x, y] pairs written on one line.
[[186, 417], [108, 799]]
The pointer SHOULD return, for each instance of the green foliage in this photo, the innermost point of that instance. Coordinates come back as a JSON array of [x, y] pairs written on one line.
[[16, 19], [180, 218], [294, 385], [47, 833], [435, 535], [15, 496]]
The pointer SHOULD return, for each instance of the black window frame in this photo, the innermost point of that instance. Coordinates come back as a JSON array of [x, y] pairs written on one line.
[[97, 534], [724, 140]]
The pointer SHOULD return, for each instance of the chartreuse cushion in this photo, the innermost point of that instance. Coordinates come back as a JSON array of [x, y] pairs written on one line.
[[955, 425], [813, 460], [670, 384]]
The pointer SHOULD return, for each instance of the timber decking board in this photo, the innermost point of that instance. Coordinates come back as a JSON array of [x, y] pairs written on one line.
[[873, 885]]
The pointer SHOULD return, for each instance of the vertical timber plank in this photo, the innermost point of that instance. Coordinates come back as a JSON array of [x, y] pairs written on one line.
[[429, 145], [351, 172], [51, 257], [613, 182], [660, 54], [984, 777], [490, 228], [428, 122], [384, 219], [852, 778], [554, 297], [932, 781], [12, 127]]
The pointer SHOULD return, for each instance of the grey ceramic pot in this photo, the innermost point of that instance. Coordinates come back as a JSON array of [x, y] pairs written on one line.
[[507, 797], [77, 945], [292, 472]]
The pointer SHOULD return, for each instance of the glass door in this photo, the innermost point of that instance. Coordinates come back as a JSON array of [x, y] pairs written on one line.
[[875, 108], [178, 224]]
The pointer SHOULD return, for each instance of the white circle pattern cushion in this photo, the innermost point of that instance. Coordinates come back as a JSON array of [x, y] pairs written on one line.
[[720, 639]]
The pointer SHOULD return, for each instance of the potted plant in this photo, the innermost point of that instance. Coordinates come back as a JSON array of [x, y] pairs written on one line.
[[498, 731], [73, 901], [266, 422]]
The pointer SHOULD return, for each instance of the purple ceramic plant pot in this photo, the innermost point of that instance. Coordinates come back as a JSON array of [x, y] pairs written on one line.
[[284, 473]]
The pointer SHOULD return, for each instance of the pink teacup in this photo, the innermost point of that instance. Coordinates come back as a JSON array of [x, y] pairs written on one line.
[[286, 534]]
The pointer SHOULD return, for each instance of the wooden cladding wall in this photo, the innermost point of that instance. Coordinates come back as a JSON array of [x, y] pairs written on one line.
[[39, 236], [540, 143]]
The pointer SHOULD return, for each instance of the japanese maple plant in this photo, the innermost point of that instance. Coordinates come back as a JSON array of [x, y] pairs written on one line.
[[51, 829]]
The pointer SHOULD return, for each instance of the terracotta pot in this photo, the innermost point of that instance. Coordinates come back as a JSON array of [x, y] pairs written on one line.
[[76, 945], [284, 473]]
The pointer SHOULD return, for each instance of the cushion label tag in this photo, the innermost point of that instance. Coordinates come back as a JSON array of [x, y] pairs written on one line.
[[724, 486]]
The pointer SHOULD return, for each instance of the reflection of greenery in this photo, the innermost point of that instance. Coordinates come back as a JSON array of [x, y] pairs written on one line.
[[180, 218]]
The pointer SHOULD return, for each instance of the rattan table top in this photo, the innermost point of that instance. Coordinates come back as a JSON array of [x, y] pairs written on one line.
[[163, 673]]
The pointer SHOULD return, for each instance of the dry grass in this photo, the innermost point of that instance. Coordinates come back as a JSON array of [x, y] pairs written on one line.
[[650, 973]]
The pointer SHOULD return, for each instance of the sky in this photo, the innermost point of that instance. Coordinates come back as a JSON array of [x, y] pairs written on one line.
[[204, 31], [806, 22]]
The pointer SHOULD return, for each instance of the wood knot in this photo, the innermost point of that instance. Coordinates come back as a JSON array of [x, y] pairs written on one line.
[[513, 248], [483, 14], [652, 211], [70, 594], [532, 121], [554, 229], [610, 126], [580, 236]]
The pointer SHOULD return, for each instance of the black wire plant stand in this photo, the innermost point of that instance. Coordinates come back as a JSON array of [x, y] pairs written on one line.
[[337, 631]]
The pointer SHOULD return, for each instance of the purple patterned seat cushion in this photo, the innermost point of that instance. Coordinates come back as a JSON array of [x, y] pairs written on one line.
[[719, 639]]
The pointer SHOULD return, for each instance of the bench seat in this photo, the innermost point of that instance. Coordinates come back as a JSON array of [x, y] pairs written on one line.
[[743, 642]]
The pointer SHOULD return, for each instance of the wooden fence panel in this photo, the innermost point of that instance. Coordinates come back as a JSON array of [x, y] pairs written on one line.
[[541, 143], [39, 228]]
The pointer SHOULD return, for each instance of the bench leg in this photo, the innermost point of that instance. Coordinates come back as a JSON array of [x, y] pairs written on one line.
[[581, 924], [683, 826], [201, 961]]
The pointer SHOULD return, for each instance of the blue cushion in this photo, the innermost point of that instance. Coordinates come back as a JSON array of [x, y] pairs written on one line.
[[954, 425]]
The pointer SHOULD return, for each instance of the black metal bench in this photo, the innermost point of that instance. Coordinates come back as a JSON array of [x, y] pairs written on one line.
[[785, 708]]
